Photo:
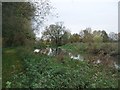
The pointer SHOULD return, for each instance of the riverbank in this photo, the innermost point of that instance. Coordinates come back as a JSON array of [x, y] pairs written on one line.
[[44, 71], [93, 48], [11, 64]]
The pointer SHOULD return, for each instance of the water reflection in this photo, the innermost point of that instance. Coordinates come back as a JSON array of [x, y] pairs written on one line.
[[95, 59]]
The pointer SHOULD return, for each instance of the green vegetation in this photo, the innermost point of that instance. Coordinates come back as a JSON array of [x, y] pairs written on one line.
[[43, 71], [16, 25], [11, 64], [22, 68], [93, 48], [17, 21]]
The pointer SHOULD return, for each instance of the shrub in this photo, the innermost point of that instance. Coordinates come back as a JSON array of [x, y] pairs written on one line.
[[46, 72]]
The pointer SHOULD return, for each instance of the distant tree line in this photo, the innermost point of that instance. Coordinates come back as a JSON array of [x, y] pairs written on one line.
[[18, 28], [57, 35]]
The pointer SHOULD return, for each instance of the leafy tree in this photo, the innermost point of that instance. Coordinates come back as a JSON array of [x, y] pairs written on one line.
[[97, 39], [105, 36], [75, 38], [43, 9], [16, 23], [87, 36], [97, 36], [20, 21], [56, 33], [66, 37]]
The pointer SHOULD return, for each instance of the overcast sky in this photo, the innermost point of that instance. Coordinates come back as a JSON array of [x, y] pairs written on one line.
[[80, 14]]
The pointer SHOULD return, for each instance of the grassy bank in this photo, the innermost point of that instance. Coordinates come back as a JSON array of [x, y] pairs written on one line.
[[11, 64], [43, 71]]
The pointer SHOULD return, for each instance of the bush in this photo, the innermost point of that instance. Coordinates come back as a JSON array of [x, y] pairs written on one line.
[[46, 72], [93, 48]]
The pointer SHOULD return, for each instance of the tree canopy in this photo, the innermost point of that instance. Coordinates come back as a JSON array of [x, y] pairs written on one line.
[[56, 33], [18, 17]]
